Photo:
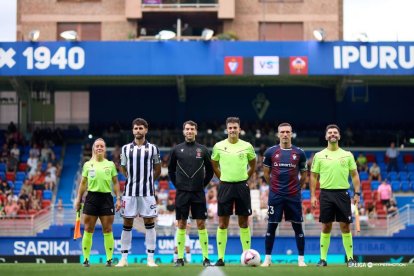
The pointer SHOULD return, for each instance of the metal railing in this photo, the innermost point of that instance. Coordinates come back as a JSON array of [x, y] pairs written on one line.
[[179, 3], [400, 219], [26, 225]]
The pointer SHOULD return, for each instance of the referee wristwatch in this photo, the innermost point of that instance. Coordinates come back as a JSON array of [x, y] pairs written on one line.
[[357, 193]]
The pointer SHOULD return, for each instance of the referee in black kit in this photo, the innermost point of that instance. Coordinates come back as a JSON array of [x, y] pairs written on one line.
[[190, 170], [141, 164]]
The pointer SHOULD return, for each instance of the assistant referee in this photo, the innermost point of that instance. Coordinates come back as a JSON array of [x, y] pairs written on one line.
[[333, 166], [230, 159], [97, 175]]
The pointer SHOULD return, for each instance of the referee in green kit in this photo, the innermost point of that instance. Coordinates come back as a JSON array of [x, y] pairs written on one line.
[[230, 159], [333, 166]]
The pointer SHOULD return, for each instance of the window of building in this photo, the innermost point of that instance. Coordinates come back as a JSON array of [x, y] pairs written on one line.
[[86, 31], [281, 31]]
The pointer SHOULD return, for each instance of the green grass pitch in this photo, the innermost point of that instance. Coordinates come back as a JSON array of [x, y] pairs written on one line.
[[197, 270]]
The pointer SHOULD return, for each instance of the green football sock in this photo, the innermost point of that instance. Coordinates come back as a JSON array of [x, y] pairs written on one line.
[[109, 245], [203, 238], [180, 243], [221, 242], [86, 244], [348, 245], [325, 241], [245, 238]]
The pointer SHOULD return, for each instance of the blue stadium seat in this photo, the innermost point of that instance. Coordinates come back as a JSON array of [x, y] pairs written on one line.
[[392, 176], [405, 186], [395, 185], [363, 176], [20, 176], [2, 176], [47, 195], [410, 167], [383, 167], [375, 184], [411, 176], [18, 185], [121, 177], [412, 185], [306, 194], [403, 176], [2, 167], [380, 157], [11, 183]]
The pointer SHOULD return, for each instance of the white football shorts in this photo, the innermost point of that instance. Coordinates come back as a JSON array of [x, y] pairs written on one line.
[[133, 206]]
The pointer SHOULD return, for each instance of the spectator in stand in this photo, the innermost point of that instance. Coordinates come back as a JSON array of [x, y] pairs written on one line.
[[46, 153], [362, 163], [35, 150], [50, 181], [12, 163], [32, 165], [170, 205], [309, 218], [55, 163], [35, 201], [2, 213], [87, 152], [4, 153], [385, 193], [27, 187], [11, 209], [15, 151], [38, 181], [24, 200], [163, 195], [371, 213], [392, 154], [116, 156], [348, 137], [392, 208], [52, 170], [5, 189], [375, 172]]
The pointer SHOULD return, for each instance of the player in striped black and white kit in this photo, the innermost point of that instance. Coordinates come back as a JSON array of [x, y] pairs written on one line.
[[141, 164]]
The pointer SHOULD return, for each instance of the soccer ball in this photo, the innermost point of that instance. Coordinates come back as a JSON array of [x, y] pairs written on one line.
[[250, 257]]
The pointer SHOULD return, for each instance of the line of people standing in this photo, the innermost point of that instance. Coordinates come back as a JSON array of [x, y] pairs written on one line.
[[233, 161]]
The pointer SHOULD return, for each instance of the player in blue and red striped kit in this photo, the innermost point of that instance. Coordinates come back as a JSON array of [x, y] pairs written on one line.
[[282, 165]]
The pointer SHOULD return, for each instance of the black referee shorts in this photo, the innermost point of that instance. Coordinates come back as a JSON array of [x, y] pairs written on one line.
[[335, 206], [194, 201], [99, 204], [234, 194]]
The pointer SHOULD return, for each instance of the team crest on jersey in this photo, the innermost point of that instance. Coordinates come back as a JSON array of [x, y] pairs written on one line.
[[342, 162], [182, 150], [294, 156], [107, 171], [277, 155], [198, 153]]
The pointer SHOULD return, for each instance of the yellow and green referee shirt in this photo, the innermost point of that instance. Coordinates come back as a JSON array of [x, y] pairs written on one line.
[[333, 168], [233, 159], [99, 175]]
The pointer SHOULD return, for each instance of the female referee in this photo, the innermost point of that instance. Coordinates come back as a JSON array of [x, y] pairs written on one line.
[[97, 175]]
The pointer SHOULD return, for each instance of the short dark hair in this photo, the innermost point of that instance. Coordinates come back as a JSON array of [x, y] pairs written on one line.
[[284, 124], [139, 122], [191, 123], [332, 126], [233, 120]]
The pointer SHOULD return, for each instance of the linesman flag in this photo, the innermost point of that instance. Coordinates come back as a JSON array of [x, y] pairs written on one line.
[[77, 232]]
